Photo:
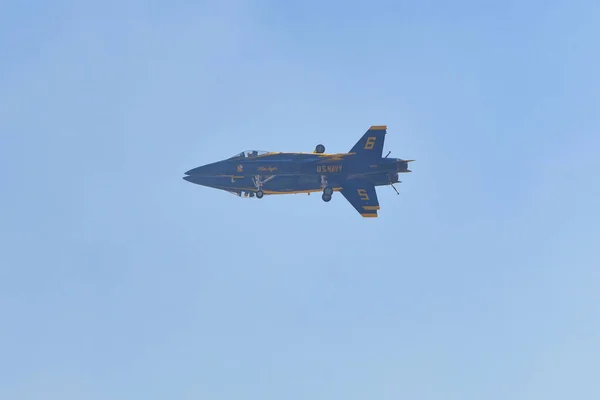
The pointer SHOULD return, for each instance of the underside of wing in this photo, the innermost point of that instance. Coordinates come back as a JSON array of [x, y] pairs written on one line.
[[363, 197]]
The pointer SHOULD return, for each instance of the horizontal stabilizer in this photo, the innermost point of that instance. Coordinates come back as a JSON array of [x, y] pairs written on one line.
[[363, 197]]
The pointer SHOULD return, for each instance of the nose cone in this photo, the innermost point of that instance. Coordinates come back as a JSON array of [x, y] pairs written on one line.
[[197, 171], [199, 180], [206, 170]]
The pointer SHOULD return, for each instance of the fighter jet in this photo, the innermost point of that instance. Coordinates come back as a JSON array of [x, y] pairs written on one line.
[[255, 174]]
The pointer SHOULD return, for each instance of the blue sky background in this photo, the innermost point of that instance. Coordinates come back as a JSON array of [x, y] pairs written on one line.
[[120, 280]]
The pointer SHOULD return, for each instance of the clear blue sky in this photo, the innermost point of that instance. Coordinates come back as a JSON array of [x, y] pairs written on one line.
[[119, 280]]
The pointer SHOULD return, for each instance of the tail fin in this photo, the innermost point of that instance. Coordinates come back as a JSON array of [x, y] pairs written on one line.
[[371, 144]]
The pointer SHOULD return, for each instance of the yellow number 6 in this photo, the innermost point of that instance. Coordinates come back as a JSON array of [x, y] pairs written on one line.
[[370, 143]]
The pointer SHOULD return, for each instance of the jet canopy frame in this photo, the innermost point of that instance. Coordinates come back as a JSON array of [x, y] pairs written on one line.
[[249, 154]]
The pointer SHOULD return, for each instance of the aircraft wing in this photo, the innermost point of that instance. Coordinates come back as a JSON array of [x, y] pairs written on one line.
[[363, 197]]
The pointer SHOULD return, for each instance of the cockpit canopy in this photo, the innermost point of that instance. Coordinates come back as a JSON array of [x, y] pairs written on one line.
[[250, 154]]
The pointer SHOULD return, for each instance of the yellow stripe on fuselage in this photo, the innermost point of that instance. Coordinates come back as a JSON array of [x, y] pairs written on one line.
[[253, 189], [303, 153], [294, 191]]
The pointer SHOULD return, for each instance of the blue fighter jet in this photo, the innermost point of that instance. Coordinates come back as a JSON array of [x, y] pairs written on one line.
[[355, 174]]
